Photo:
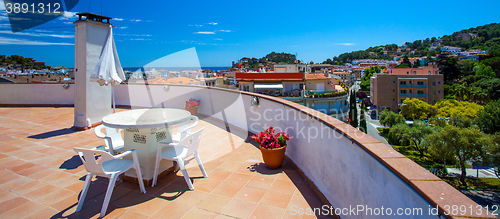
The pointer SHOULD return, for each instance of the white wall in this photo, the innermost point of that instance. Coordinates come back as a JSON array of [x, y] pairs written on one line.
[[36, 94]]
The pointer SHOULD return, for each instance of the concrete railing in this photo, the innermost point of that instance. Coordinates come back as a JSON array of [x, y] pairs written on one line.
[[36, 94], [356, 174]]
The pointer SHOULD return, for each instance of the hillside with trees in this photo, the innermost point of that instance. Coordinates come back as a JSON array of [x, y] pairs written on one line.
[[273, 57]]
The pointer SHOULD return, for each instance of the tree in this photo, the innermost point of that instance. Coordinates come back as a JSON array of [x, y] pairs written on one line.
[[362, 119], [488, 119], [353, 114], [398, 135], [494, 153], [389, 118], [447, 108], [416, 109], [467, 144], [417, 134]]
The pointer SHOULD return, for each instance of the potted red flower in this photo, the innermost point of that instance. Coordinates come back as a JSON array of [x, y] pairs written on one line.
[[192, 106], [272, 147]]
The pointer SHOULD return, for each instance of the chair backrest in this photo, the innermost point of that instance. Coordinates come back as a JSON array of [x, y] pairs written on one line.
[[112, 136], [186, 128], [192, 141], [88, 157]]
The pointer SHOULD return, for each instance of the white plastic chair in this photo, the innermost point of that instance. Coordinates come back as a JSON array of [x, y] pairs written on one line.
[[178, 152], [113, 140], [109, 166], [185, 129]]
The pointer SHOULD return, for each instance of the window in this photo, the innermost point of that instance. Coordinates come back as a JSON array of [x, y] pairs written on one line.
[[409, 82], [393, 82], [434, 101], [434, 92], [407, 72], [410, 91], [436, 72], [420, 83], [420, 92], [414, 72], [439, 82], [393, 99], [402, 91], [393, 91], [430, 72], [439, 91], [434, 83], [402, 82]]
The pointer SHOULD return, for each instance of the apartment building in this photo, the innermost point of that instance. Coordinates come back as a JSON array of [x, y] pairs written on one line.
[[388, 90]]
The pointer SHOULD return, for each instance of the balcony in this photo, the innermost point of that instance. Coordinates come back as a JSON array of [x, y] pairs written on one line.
[[405, 86], [405, 95], [419, 95], [419, 86], [324, 94], [41, 176]]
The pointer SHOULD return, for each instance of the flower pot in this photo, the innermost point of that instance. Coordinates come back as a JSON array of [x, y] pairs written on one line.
[[193, 110], [273, 158]]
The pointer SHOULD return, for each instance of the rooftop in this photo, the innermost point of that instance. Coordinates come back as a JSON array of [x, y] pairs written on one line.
[[41, 176]]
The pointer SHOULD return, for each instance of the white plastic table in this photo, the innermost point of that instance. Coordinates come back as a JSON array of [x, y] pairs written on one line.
[[144, 128]]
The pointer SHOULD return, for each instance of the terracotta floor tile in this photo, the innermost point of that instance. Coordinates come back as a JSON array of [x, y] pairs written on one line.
[[290, 175], [56, 196], [150, 206], [197, 213], [32, 170], [191, 198], [251, 194], [12, 203], [132, 215], [16, 183], [219, 175], [268, 212], [238, 208], [297, 213], [260, 181], [227, 189], [23, 210], [173, 210], [206, 184], [4, 196], [214, 203], [283, 186], [44, 213], [276, 199], [9, 177], [238, 178], [305, 202], [22, 167], [221, 216], [40, 192]]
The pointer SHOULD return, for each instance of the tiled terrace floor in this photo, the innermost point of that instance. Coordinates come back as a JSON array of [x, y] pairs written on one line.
[[41, 176]]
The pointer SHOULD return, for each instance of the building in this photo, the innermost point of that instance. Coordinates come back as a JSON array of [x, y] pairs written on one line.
[[388, 90], [465, 37], [451, 49], [274, 84], [346, 77]]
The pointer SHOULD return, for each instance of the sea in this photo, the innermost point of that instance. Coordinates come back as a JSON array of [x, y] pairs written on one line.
[[180, 68]]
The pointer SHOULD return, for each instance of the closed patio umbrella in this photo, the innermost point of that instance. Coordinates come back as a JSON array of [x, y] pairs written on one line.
[[108, 69]]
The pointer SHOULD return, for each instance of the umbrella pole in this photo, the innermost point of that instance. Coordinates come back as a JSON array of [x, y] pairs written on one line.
[[113, 92]]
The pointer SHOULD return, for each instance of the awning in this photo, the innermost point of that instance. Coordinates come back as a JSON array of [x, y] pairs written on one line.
[[268, 86]]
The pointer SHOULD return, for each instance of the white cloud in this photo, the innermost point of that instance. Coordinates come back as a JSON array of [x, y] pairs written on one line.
[[195, 25], [68, 15], [68, 22], [204, 32], [227, 31], [136, 20], [37, 34], [118, 19], [213, 23], [149, 21], [345, 44], [217, 39], [122, 27], [10, 41]]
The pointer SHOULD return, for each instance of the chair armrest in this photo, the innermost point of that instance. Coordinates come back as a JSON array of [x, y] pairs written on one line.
[[102, 148], [171, 144], [125, 154], [98, 131]]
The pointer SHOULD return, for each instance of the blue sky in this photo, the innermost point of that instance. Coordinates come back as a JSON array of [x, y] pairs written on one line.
[[223, 31]]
